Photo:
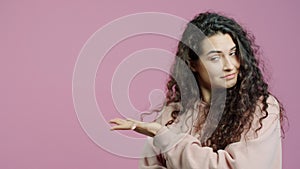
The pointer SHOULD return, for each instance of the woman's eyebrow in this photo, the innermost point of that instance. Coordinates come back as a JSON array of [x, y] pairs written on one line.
[[233, 48], [213, 51], [217, 51]]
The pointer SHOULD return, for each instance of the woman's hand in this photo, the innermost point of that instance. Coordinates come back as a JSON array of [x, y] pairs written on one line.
[[148, 129]]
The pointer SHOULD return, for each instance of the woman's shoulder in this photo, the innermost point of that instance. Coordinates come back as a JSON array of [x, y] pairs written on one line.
[[264, 119], [272, 103]]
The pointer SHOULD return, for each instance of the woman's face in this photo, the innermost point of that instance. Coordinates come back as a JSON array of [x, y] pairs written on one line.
[[219, 64]]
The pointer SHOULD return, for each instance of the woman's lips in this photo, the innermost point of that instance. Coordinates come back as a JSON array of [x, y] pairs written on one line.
[[230, 76]]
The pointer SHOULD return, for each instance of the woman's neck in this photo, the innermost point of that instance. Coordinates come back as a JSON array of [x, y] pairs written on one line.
[[206, 94]]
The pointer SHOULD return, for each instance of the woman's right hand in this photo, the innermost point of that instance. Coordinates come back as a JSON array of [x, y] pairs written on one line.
[[145, 128]]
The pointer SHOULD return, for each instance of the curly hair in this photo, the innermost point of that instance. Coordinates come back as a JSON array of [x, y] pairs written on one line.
[[241, 100]]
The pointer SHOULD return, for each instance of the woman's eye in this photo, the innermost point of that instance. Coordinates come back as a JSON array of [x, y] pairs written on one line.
[[214, 58], [232, 54]]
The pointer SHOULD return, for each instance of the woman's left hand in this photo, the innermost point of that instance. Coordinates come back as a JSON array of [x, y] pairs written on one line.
[[145, 128]]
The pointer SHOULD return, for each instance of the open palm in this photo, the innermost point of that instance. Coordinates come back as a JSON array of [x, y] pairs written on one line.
[[145, 128]]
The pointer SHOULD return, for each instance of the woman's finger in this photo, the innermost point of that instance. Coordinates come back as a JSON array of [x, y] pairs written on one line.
[[134, 121], [125, 126], [117, 121], [121, 124], [119, 128]]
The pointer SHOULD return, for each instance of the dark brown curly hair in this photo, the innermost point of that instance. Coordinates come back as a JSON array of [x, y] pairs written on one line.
[[241, 100]]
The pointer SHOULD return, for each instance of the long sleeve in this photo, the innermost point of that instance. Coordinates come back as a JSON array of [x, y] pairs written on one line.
[[152, 158], [262, 151]]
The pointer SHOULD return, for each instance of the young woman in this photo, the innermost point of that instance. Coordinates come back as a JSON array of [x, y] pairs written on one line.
[[218, 111]]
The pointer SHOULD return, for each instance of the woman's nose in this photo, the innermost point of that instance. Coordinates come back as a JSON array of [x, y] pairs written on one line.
[[227, 63]]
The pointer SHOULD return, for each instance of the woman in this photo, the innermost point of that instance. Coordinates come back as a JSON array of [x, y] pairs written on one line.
[[218, 111]]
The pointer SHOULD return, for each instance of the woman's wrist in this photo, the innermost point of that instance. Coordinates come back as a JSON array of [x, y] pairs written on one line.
[[156, 129], [146, 129]]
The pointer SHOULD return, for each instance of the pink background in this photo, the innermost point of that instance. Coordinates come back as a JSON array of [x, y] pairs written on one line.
[[41, 40]]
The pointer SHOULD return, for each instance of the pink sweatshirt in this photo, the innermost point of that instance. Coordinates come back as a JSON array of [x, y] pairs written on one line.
[[173, 150]]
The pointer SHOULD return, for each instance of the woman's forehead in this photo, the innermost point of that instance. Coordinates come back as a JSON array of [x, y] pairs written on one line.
[[218, 42]]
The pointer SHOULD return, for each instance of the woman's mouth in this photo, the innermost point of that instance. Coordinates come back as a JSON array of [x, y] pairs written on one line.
[[229, 76]]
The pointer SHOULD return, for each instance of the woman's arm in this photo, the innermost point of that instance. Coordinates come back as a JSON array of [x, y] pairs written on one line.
[[262, 152], [185, 151], [151, 158]]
